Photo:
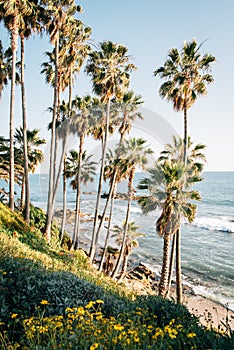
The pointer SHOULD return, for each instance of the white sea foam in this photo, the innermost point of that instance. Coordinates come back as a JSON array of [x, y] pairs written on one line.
[[215, 224]]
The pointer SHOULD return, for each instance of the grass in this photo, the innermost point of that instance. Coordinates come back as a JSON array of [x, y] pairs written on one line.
[[51, 298]]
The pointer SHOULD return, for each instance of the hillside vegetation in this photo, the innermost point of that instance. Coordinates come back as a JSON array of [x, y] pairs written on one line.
[[51, 298]]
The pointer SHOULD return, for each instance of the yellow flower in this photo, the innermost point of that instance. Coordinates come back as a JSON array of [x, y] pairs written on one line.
[[191, 335], [94, 346], [118, 327], [80, 310], [14, 315], [44, 302], [89, 305], [99, 301], [136, 339]]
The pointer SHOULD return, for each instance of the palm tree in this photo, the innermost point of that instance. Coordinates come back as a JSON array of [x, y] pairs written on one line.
[[12, 12], [136, 155], [109, 69], [130, 242], [74, 50], [186, 74], [165, 192], [195, 161], [28, 24], [80, 126], [58, 20], [34, 153], [5, 162], [82, 172]]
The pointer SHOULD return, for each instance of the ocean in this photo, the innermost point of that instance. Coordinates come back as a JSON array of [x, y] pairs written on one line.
[[207, 243]]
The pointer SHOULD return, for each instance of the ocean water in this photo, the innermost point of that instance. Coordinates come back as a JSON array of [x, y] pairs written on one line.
[[207, 243]]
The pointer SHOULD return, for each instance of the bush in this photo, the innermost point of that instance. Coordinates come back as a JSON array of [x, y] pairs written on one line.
[[37, 217]]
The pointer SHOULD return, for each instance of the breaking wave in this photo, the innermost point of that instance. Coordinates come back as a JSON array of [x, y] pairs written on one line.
[[222, 224]]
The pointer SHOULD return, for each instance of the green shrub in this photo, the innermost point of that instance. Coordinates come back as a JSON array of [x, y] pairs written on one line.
[[37, 217]]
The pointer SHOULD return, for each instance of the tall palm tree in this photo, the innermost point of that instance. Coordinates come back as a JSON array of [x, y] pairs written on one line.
[[58, 20], [166, 193], [74, 50], [29, 23], [80, 125], [82, 172], [109, 69], [12, 12], [130, 242], [136, 155], [186, 73]]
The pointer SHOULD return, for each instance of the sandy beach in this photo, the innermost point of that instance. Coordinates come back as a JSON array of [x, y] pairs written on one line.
[[209, 312]]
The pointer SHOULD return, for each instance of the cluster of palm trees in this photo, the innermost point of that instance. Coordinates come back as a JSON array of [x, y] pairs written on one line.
[[113, 108]]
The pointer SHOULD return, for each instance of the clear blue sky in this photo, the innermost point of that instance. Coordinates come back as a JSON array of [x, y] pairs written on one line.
[[150, 29]]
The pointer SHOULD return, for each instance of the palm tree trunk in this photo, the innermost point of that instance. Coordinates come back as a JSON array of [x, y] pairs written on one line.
[[14, 44], [64, 160], [109, 225], [185, 136], [106, 206], [76, 233], [163, 284], [94, 240], [178, 268], [124, 266], [178, 233], [57, 177], [50, 204], [171, 267], [22, 196], [64, 202], [121, 253], [25, 141]]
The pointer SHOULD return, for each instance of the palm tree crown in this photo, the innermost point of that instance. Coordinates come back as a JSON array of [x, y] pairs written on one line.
[[110, 70], [186, 75]]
